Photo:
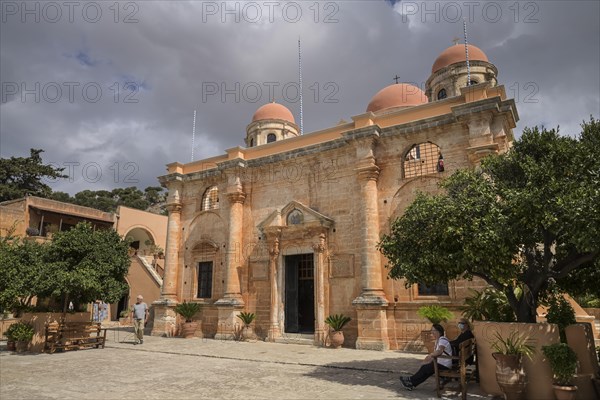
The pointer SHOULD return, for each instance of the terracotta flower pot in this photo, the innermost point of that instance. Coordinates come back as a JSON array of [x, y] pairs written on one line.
[[565, 392], [21, 346], [337, 339], [510, 375], [188, 329], [248, 333]]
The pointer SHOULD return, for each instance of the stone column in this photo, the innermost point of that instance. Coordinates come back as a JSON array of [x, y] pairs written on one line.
[[274, 328], [371, 305], [164, 313], [232, 303], [320, 330]]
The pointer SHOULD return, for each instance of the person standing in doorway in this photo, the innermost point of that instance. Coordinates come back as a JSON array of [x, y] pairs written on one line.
[[139, 315]]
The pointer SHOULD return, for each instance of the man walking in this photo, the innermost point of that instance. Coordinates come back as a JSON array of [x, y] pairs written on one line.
[[139, 315]]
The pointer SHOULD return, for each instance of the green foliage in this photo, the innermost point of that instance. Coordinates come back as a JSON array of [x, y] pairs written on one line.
[[514, 344], [488, 305], [24, 273], [187, 310], [86, 264], [22, 176], [152, 196], [562, 314], [525, 218], [125, 313], [435, 314], [337, 321], [20, 332], [246, 318], [588, 301], [563, 362]]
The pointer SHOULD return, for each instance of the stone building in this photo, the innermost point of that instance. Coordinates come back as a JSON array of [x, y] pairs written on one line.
[[287, 226]]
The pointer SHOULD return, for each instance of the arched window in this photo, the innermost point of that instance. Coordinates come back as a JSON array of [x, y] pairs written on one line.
[[252, 142], [422, 159], [210, 199], [442, 94], [271, 138], [473, 82]]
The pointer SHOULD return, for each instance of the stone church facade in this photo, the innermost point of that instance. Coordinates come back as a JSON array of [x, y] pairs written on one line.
[[287, 227]]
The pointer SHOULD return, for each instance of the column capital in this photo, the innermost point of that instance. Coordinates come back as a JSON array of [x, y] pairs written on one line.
[[274, 251], [320, 247], [236, 197], [173, 207]]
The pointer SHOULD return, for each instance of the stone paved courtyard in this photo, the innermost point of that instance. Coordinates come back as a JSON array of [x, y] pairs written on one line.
[[174, 368]]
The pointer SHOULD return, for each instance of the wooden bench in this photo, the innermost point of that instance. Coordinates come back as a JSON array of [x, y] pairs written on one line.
[[74, 336], [460, 370]]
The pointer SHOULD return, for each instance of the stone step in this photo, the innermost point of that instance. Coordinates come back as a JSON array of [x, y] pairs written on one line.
[[297, 338]]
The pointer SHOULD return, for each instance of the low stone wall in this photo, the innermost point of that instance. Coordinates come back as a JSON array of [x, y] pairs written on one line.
[[39, 321], [539, 374]]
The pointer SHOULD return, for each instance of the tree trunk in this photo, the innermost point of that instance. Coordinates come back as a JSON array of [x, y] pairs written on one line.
[[526, 308]]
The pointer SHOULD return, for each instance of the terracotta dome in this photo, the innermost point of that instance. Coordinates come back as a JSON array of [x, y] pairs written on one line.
[[397, 95], [456, 53], [273, 111]]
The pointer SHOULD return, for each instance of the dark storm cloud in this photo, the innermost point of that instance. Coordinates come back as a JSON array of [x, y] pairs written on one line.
[[111, 96]]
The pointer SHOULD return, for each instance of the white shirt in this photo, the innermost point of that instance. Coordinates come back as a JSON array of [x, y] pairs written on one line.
[[443, 342]]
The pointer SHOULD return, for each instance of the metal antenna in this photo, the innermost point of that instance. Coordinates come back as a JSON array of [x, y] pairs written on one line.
[[467, 53], [300, 79], [193, 135]]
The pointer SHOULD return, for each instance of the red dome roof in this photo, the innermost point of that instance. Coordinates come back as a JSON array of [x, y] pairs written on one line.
[[273, 111], [456, 53], [397, 95]]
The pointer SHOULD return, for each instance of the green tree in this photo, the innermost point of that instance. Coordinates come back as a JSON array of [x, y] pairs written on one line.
[[21, 176], [525, 220], [87, 264], [23, 272]]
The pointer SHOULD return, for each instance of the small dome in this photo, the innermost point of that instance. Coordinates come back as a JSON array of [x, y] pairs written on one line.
[[273, 111], [397, 95], [456, 53]]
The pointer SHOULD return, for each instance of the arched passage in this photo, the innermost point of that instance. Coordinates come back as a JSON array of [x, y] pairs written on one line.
[[142, 240]]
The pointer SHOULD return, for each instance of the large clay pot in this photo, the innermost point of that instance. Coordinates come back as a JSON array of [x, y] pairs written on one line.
[[21, 346], [11, 346], [565, 392], [248, 333], [337, 339], [428, 340], [189, 329], [510, 375]]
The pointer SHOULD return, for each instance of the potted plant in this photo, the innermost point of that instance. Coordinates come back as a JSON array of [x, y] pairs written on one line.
[[21, 333], [187, 311], [434, 314], [563, 362], [247, 330], [336, 322], [508, 353]]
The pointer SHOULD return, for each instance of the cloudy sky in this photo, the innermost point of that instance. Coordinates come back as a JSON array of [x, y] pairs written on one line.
[[108, 89]]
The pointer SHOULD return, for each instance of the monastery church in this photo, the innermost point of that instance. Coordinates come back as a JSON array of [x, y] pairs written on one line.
[[287, 227]]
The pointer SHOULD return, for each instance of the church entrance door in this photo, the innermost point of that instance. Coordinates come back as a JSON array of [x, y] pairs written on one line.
[[299, 294]]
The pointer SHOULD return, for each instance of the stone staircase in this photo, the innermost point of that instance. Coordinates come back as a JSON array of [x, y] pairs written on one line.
[[147, 263]]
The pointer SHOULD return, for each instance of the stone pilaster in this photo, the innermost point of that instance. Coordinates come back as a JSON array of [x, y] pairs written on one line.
[[320, 330], [274, 328], [232, 303], [164, 308], [371, 304]]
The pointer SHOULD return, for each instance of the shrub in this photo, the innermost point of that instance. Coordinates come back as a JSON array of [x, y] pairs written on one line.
[[435, 314], [246, 318], [488, 305], [563, 362], [20, 332], [337, 321], [562, 314], [187, 310]]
